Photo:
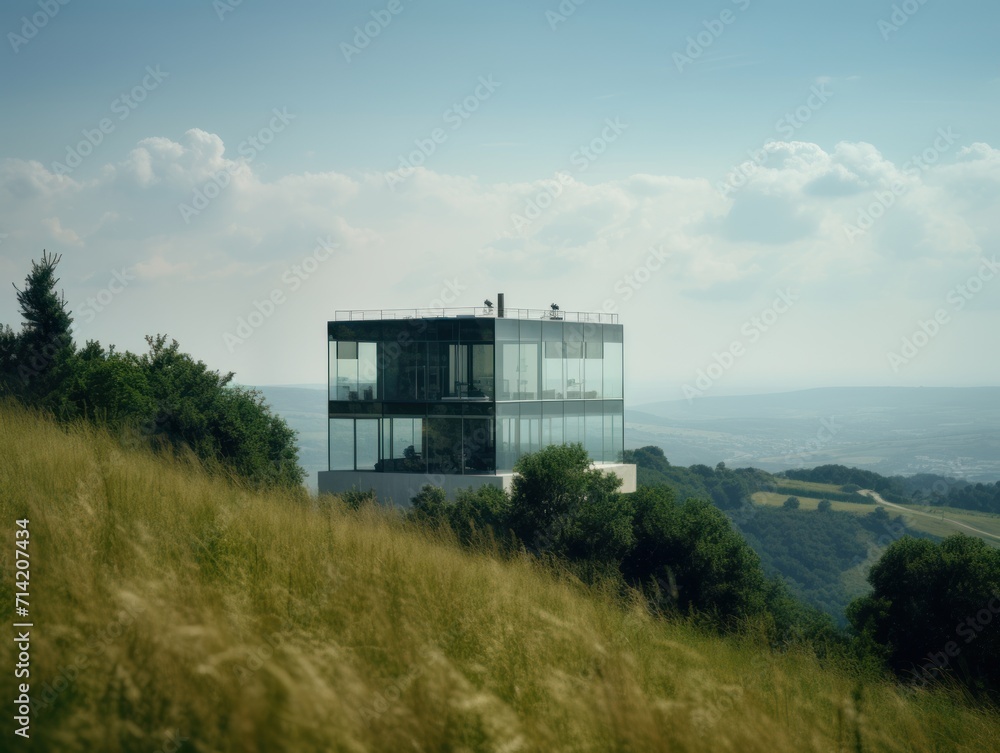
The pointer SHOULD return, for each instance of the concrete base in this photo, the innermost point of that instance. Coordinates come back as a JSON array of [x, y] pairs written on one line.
[[400, 488]]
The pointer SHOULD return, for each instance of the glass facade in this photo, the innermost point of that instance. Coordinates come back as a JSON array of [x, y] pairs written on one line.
[[471, 395]]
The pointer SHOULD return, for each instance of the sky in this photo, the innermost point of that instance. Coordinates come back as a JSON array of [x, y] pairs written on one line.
[[770, 195]]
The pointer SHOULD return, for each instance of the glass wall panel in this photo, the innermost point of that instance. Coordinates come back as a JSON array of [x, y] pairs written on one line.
[[593, 332], [478, 448], [444, 445], [508, 329], [573, 365], [457, 384], [530, 435], [617, 433], [593, 366], [553, 379], [408, 446], [552, 331], [552, 423], [366, 443], [530, 331], [508, 416], [341, 444], [573, 423], [347, 371], [385, 454], [528, 372], [476, 330], [481, 371], [405, 372], [612, 369], [332, 368], [594, 430], [367, 371], [437, 370], [507, 370], [610, 456]]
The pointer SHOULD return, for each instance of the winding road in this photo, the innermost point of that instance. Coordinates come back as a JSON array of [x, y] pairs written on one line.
[[909, 511]]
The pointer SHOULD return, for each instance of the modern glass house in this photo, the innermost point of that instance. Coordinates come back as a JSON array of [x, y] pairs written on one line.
[[454, 397]]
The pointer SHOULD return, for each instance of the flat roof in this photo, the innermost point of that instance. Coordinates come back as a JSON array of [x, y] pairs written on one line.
[[352, 315]]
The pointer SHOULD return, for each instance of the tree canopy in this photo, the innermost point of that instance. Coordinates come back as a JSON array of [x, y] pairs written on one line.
[[163, 398]]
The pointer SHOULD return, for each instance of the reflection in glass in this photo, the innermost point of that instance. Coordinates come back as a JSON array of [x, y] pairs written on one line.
[[593, 441], [612, 370], [341, 444], [444, 445], [553, 385], [366, 443], [477, 445]]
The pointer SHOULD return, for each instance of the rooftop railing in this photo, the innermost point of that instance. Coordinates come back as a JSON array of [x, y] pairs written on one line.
[[475, 311]]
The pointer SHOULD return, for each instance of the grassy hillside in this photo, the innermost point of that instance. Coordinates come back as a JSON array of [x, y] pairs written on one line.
[[177, 612]]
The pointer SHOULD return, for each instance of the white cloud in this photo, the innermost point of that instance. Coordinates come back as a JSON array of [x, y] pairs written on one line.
[[725, 256]]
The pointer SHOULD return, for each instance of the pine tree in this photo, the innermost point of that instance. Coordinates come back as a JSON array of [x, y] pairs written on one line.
[[31, 361]]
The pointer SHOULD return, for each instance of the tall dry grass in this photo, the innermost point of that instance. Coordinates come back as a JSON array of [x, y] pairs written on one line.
[[174, 611]]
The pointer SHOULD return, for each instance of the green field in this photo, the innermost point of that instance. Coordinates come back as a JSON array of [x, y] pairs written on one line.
[[812, 485], [776, 499], [937, 521]]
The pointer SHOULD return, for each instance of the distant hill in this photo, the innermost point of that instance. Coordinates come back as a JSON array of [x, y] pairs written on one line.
[[892, 430]]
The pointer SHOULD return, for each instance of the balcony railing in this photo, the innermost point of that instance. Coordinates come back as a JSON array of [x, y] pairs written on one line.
[[476, 311]]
